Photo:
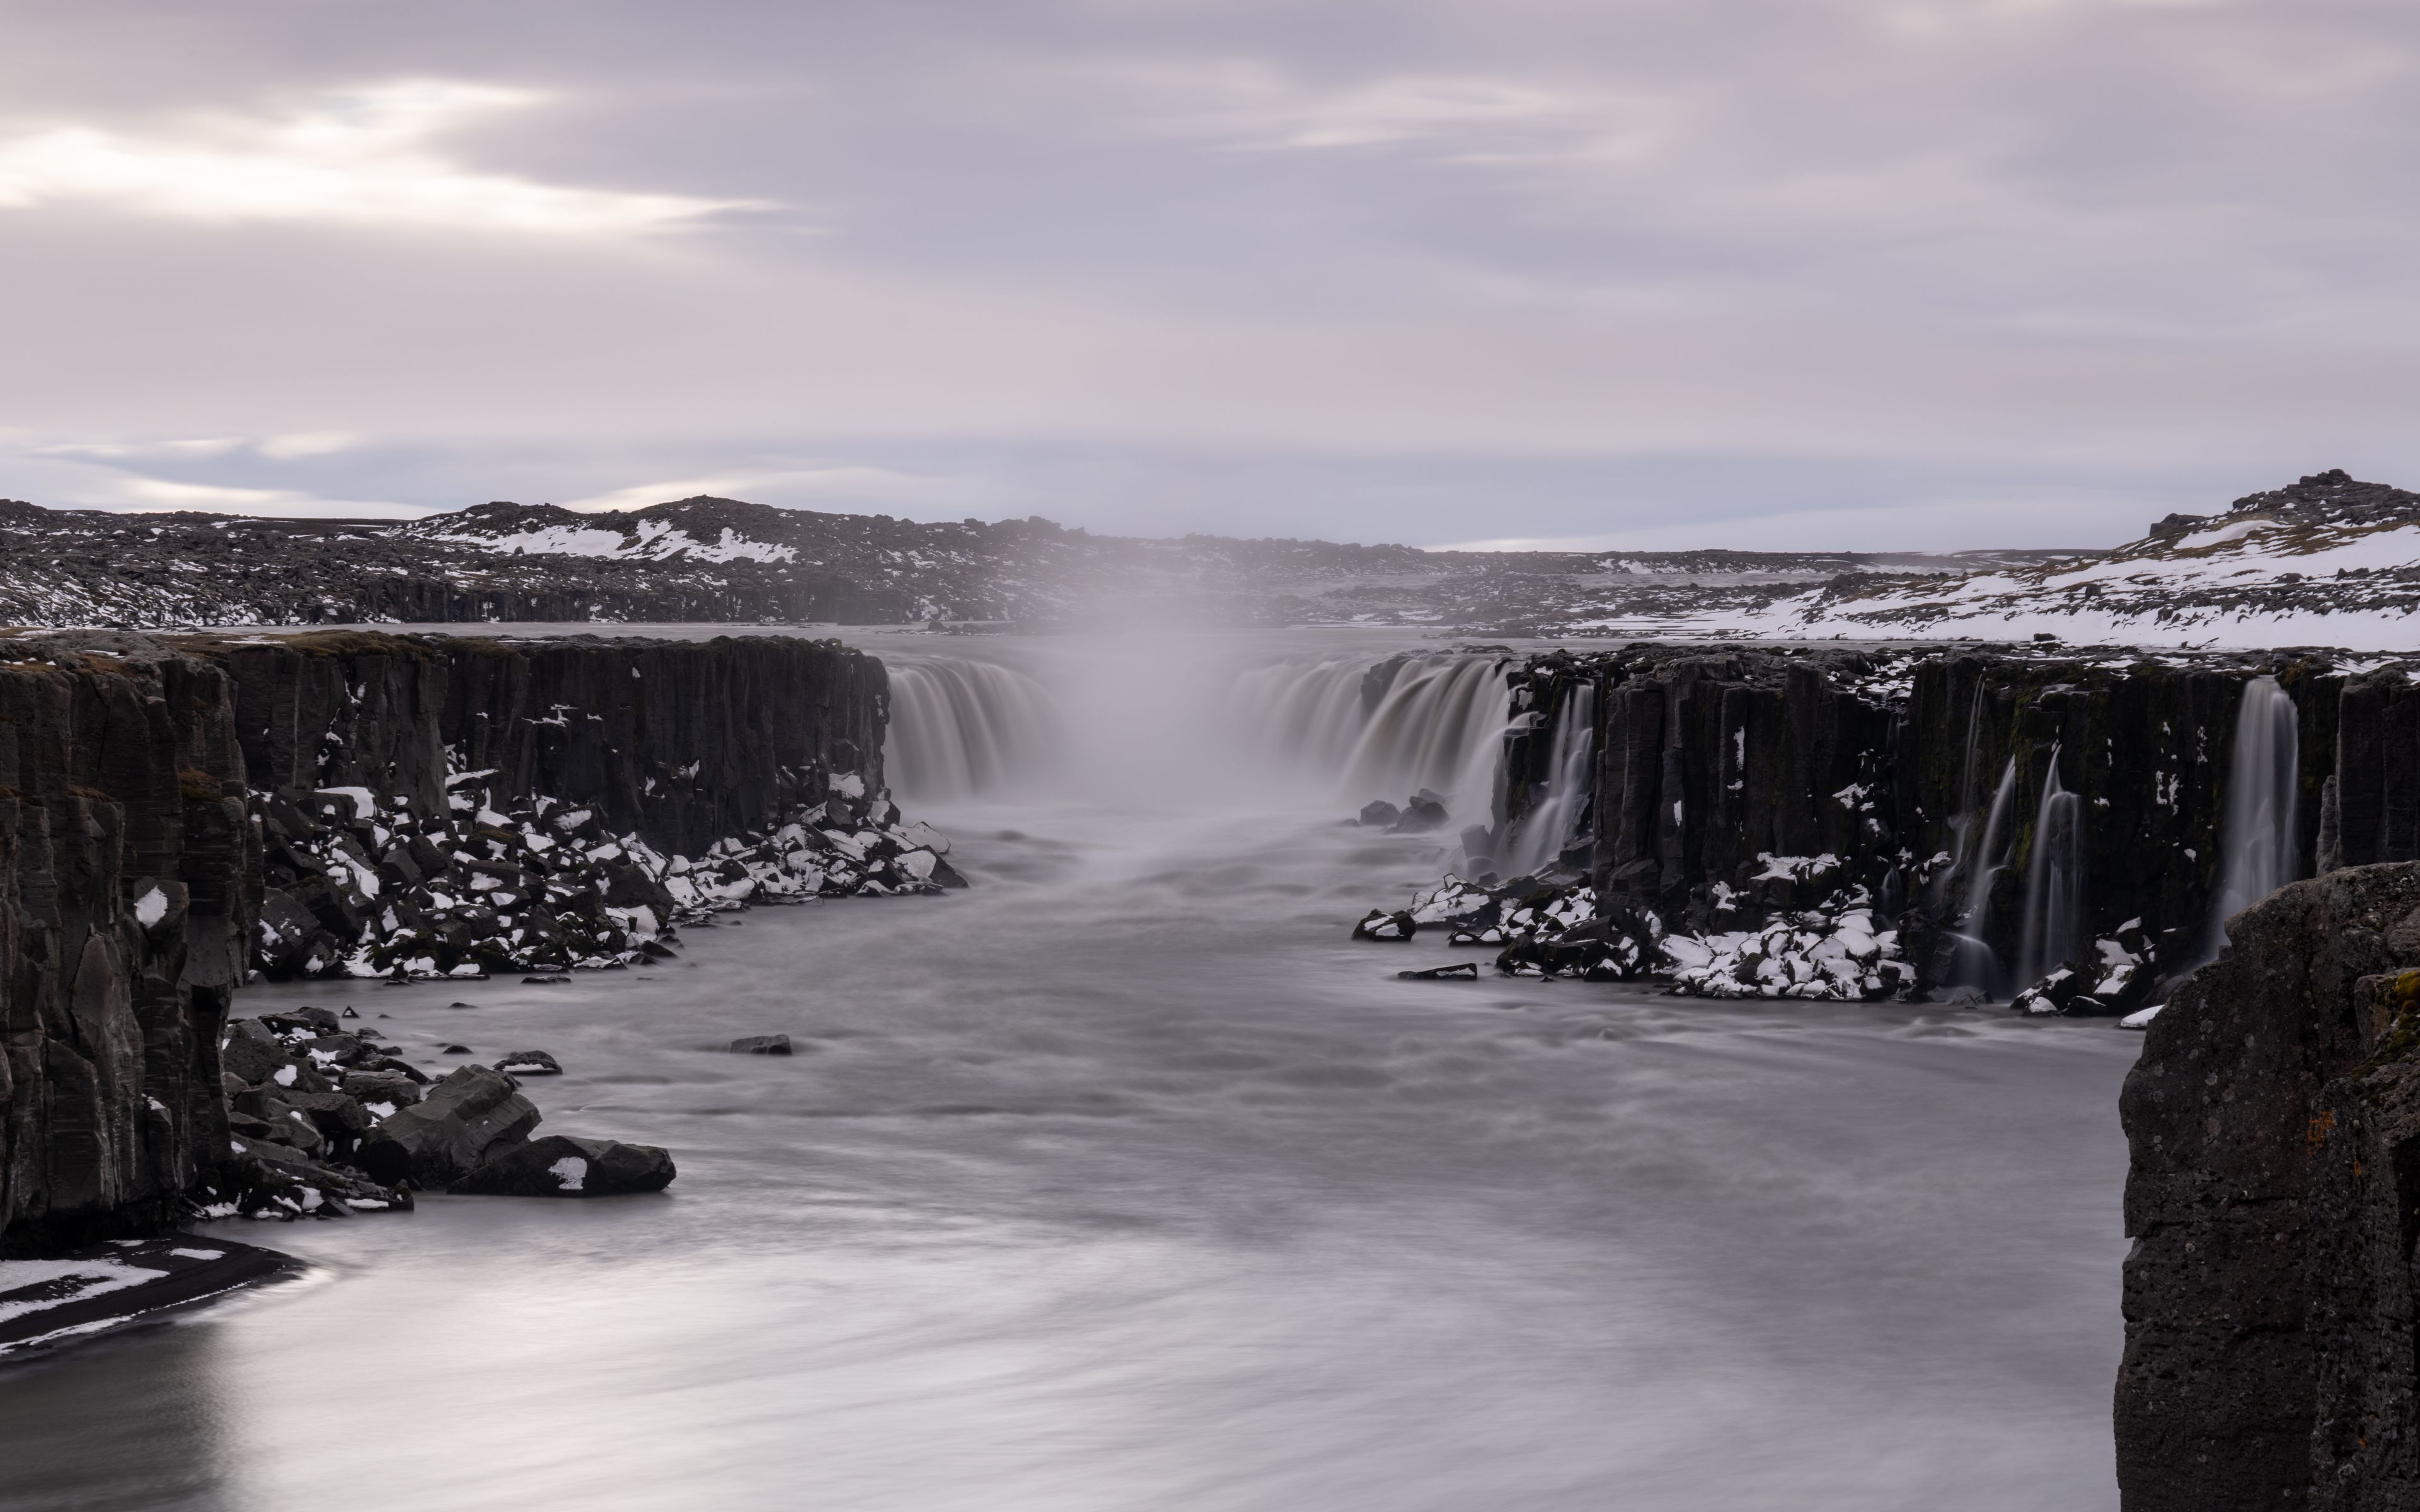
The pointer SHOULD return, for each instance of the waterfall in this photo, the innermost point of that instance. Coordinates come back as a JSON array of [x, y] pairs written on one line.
[[963, 727], [1429, 721], [2054, 924], [1976, 966], [1549, 827], [1961, 823], [2256, 846]]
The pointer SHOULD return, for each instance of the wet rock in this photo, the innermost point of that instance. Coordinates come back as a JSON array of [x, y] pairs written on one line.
[[1380, 814], [262, 1179], [562, 1165], [461, 1122], [2115, 980], [1424, 814], [306, 1021], [1459, 971], [1378, 925], [251, 1053], [762, 1044], [529, 1063], [392, 1088]]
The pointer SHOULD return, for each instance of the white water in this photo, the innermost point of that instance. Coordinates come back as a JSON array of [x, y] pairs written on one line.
[[1553, 822], [2055, 919], [1977, 965], [2257, 839], [961, 728], [1438, 723], [1123, 1181]]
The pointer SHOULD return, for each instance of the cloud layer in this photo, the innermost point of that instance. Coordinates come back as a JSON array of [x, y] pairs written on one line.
[[1981, 271]]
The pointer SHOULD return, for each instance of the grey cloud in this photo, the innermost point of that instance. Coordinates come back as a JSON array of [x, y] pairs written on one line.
[[1567, 263]]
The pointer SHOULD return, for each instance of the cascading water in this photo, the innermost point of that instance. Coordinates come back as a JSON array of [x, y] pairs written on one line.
[[2054, 923], [2257, 853], [1946, 887], [1975, 965], [1421, 721], [963, 727], [1551, 824]]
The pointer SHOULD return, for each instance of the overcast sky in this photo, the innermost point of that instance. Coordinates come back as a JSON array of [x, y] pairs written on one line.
[[1752, 273]]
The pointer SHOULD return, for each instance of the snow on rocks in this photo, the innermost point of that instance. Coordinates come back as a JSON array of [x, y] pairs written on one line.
[[363, 886], [1842, 956], [324, 1123], [1544, 928], [2115, 977]]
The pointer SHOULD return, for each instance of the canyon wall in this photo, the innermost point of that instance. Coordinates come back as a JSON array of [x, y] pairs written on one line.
[[1733, 784], [156, 788]]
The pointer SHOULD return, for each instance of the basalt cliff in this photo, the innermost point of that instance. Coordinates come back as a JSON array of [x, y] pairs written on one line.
[[182, 812], [2060, 827]]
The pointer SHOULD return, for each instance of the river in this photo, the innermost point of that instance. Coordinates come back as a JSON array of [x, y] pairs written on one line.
[[1123, 1179]]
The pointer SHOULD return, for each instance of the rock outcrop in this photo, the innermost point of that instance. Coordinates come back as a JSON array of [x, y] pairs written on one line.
[[1831, 823], [2274, 1197], [178, 812], [128, 872]]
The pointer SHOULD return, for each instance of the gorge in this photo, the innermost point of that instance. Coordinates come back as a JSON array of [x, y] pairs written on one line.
[[1902, 832]]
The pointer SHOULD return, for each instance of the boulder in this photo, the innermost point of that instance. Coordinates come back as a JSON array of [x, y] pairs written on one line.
[[305, 1020], [762, 1044], [251, 1053], [1459, 971], [562, 1165], [1425, 812], [1380, 814], [266, 1180], [390, 1087], [529, 1063], [464, 1120], [1393, 928]]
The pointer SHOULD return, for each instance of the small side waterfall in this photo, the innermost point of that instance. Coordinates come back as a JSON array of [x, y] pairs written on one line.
[[1975, 965], [1550, 826], [2054, 923], [2257, 843], [1415, 721], [963, 727]]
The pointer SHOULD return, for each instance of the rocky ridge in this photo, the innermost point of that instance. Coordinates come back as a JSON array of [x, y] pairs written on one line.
[[708, 560]]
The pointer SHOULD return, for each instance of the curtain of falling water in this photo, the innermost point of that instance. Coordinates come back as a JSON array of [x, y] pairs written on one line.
[[2257, 843], [2054, 924], [962, 727], [1433, 721], [1551, 824]]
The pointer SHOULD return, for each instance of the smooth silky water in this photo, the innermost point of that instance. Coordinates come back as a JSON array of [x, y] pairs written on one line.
[[1124, 1180]]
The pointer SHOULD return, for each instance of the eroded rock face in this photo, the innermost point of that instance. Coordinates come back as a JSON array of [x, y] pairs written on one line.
[[125, 861], [2269, 1352], [152, 787]]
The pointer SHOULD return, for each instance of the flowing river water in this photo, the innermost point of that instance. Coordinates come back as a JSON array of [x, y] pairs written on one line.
[[1123, 1179]]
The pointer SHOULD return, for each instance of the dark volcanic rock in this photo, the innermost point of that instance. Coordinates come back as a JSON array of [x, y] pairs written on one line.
[[126, 906], [529, 1063], [762, 1044], [560, 1166], [463, 1121], [2268, 1291], [1394, 928]]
